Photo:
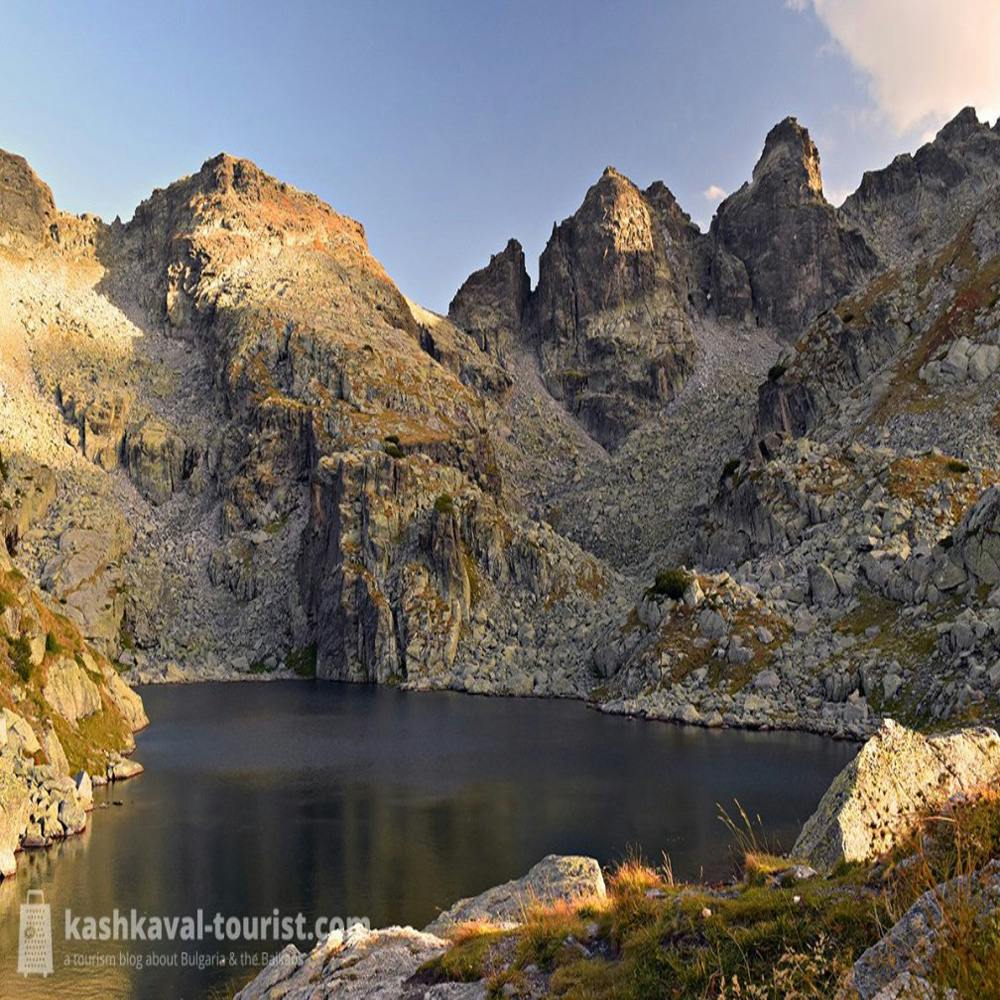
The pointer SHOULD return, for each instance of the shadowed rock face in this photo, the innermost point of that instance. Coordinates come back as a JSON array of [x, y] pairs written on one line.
[[490, 304], [26, 205], [779, 251], [608, 318], [918, 200]]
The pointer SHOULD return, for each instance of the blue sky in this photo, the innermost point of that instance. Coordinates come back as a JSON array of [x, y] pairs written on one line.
[[447, 127]]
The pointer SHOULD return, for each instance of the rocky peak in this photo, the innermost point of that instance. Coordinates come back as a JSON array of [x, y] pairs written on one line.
[[605, 250], [780, 255], [26, 206], [609, 316], [790, 152], [965, 124], [490, 304], [919, 201]]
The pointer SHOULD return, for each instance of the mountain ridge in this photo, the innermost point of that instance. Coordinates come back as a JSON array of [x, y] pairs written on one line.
[[281, 463]]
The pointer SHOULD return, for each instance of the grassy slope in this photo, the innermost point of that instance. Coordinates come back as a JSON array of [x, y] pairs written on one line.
[[653, 937]]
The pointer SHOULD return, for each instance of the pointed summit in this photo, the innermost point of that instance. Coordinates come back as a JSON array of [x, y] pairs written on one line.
[[779, 251], [966, 123], [789, 150], [491, 301], [26, 205]]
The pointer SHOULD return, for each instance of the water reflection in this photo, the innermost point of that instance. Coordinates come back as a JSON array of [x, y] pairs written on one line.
[[348, 801]]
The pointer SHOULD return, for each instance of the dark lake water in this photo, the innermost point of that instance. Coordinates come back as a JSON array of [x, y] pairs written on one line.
[[338, 800]]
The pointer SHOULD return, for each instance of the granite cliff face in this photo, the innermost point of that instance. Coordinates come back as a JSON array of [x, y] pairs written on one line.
[[238, 449], [919, 200], [608, 318], [780, 253]]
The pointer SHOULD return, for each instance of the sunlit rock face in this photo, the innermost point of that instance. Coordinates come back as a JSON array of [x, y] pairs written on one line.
[[609, 318]]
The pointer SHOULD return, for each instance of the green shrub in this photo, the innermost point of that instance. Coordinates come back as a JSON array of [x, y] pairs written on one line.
[[958, 467], [671, 583], [445, 504], [303, 661], [52, 644], [393, 450], [776, 371], [20, 654]]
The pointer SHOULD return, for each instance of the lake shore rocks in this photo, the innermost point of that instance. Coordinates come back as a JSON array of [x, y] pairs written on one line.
[[556, 877], [868, 808], [364, 964], [896, 777]]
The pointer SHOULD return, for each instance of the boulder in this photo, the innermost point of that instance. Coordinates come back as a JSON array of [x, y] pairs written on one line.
[[71, 692], [20, 735], [822, 585], [121, 769], [360, 964], [14, 812], [54, 752], [897, 775], [84, 790], [556, 877], [907, 950]]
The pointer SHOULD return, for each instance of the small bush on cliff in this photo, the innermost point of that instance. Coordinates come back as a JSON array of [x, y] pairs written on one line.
[[445, 504], [20, 654], [776, 371], [730, 469], [52, 644], [303, 661], [671, 583]]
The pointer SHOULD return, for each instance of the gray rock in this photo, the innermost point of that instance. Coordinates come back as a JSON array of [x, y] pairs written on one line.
[[910, 945], [876, 799], [554, 878], [14, 810], [822, 586], [767, 680]]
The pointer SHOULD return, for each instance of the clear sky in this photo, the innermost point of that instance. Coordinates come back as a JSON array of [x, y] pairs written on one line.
[[447, 127]]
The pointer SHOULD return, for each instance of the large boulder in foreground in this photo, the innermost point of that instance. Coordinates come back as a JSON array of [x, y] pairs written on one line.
[[896, 777], [359, 965], [555, 878]]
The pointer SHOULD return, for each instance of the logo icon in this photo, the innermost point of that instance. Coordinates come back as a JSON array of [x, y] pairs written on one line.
[[34, 941]]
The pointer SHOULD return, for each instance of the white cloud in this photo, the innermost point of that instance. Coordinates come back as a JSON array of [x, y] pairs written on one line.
[[713, 193], [924, 59]]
